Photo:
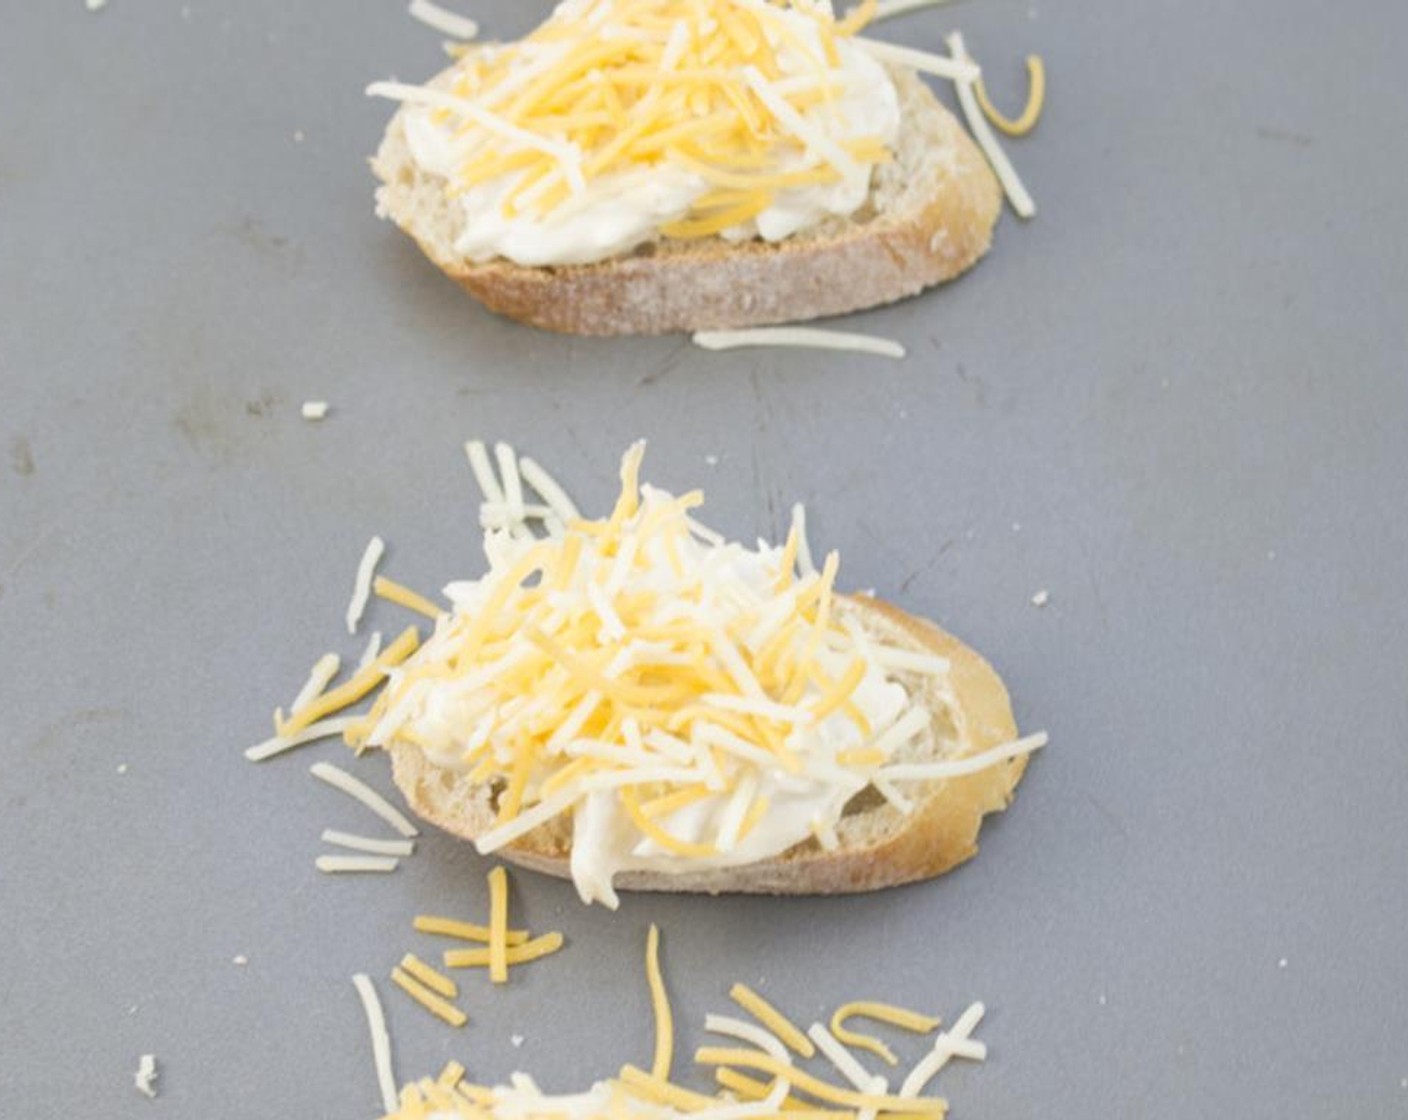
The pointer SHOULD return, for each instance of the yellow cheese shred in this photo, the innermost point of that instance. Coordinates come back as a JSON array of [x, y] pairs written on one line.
[[435, 981], [394, 592], [814, 1086], [881, 1012], [498, 925], [451, 1075], [1036, 99], [664, 1091], [465, 931], [650, 828], [660, 1001], [773, 1019], [350, 691], [428, 999], [532, 950]]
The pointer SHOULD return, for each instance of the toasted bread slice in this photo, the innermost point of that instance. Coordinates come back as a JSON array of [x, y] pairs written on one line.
[[929, 217], [879, 846]]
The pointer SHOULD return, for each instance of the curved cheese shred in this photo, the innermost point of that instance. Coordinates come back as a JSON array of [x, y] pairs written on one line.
[[381, 1041], [1031, 113], [660, 1002], [884, 1013]]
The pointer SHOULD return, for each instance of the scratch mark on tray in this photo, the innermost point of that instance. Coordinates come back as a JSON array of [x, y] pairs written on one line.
[[929, 567], [1282, 136], [1110, 817], [668, 366]]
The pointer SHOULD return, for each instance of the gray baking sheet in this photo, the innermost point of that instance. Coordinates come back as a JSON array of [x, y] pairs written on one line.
[[1176, 401]]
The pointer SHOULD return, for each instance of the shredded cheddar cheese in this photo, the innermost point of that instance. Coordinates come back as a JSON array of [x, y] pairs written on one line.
[[437, 982], [498, 925], [393, 592], [428, 999], [531, 950], [1031, 113], [772, 1018], [465, 931], [660, 1002], [881, 1012], [738, 92]]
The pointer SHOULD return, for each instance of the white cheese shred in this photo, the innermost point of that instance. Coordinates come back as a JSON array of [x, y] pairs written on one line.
[[844, 1061], [324, 669], [805, 564], [809, 338], [354, 865], [888, 9], [362, 585], [146, 1075], [953, 1043], [358, 789], [958, 767], [937, 65], [381, 1041], [750, 1033], [513, 484], [1002, 167], [478, 456], [370, 653], [323, 729], [442, 20], [314, 410], [548, 489], [368, 844]]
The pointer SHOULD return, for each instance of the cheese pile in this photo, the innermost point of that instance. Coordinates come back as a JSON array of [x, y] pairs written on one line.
[[665, 699], [684, 702], [687, 118]]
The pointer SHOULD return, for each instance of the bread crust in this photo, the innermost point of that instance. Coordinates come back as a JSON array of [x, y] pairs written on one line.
[[939, 834], [937, 226]]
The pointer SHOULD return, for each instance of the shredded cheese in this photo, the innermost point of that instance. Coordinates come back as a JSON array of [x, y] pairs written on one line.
[[772, 1018], [435, 981], [498, 925], [660, 1002], [368, 844], [813, 338], [1031, 113], [393, 592], [442, 20], [314, 410], [1012, 186], [322, 729], [146, 1075], [750, 1033], [532, 950], [950, 1044], [845, 1062], [319, 677], [362, 585], [354, 787], [465, 931], [381, 1041], [814, 1086], [884, 1013], [422, 994], [343, 865], [972, 764]]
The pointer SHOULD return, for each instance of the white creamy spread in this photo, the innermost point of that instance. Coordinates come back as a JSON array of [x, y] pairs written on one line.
[[622, 209]]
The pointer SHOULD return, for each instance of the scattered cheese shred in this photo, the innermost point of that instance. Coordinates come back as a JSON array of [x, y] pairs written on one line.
[[314, 410], [368, 844], [750, 1033], [381, 1041], [950, 1044], [972, 764], [532, 950], [498, 925], [354, 787], [322, 729], [465, 931], [342, 865], [884, 1013], [814, 1086], [1002, 167], [664, 1091], [436, 981], [319, 677], [772, 1018], [660, 1001], [442, 20], [422, 994], [813, 338], [146, 1075], [393, 592], [1031, 113], [362, 585], [845, 1062]]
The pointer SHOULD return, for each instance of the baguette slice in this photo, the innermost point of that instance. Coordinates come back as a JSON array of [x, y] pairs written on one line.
[[930, 217], [879, 846]]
